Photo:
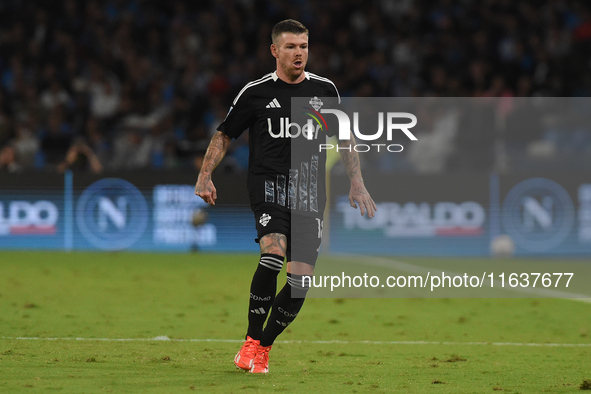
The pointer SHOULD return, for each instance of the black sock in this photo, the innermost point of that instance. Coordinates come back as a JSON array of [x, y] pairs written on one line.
[[286, 307], [262, 293]]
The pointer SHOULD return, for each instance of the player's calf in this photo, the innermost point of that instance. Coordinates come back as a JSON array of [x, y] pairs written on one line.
[[262, 292], [286, 307]]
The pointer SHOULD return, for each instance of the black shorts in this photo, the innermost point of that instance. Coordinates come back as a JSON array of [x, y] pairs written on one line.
[[304, 234]]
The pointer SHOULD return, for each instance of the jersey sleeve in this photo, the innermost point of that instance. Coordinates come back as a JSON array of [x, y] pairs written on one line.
[[334, 101], [333, 92], [239, 118]]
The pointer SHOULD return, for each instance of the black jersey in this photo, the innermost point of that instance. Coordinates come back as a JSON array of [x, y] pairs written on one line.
[[278, 175]]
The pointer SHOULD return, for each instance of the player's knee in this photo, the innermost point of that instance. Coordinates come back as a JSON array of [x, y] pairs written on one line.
[[273, 243]]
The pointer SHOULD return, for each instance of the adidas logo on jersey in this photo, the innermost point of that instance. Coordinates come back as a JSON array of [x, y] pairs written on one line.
[[273, 104]]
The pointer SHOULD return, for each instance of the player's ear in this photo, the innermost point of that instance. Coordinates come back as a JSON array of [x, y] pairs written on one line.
[[274, 51]]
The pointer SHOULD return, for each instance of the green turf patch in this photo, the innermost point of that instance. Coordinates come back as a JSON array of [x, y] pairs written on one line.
[[335, 345]]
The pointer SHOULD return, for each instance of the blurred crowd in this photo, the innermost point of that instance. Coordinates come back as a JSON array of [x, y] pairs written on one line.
[[131, 84]]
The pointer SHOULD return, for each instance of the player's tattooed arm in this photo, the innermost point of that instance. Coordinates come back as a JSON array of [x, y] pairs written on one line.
[[274, 243], [350, 159], [216, 151], [358, 193]]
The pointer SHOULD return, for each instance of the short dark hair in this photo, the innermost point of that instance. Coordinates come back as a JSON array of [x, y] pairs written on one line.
[[288, 26]]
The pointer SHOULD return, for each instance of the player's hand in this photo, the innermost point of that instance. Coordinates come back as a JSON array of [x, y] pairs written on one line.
[[359, 195], [206, 190]]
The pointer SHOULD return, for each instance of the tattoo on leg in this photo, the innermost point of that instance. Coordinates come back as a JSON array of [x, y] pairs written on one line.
[[274, 243]]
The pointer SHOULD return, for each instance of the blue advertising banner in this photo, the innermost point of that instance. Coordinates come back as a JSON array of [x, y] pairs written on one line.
[[431, 215], [31, 219], [417, 215], [546, 215], [114, 214], [466, 215]]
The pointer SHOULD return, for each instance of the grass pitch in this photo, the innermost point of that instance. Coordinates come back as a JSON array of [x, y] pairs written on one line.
[[95, 317]]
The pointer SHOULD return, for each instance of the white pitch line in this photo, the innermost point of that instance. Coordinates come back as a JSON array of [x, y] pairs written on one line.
[[337, 342]]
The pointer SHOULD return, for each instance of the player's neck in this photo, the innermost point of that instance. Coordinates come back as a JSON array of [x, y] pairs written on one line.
[[288, 78]]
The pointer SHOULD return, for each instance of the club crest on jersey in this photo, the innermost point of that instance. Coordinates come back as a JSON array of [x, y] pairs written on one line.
[[316, 103], [265, 218]]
